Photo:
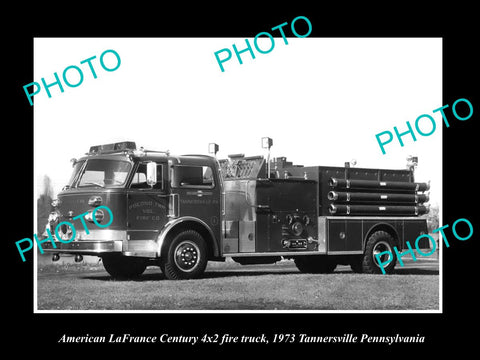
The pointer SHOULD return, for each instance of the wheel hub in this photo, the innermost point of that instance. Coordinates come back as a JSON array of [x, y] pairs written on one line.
[[380, 247], [187, 256]]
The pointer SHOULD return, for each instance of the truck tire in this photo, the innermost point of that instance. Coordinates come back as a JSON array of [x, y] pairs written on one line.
[[186, 257], [124, 267], [315, 264], [378, 242]]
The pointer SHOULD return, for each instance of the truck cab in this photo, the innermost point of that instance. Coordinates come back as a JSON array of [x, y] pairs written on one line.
[[154, 199]]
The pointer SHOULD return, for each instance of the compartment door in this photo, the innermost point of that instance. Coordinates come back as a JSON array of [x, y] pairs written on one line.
[[336, 232]]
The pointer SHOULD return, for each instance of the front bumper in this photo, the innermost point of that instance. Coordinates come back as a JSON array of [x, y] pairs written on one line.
[[96, 242], [83, 247]]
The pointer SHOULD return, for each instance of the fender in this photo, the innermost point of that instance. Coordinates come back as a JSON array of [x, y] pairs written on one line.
[[382, 226], [172, 225]]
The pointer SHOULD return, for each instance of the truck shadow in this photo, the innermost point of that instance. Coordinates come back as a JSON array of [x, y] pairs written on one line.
[[157, 275], [416, 272]]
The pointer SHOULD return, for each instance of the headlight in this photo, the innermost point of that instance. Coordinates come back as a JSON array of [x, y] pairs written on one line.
[[99, 215], [53, 216], [53, 220], [56, 203]]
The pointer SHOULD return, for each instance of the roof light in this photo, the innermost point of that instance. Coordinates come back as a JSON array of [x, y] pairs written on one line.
[[267, 142], [213, 148], [412, 162], [124, 145]]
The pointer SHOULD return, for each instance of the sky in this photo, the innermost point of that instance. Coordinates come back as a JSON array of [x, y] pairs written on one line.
[[322, 100]]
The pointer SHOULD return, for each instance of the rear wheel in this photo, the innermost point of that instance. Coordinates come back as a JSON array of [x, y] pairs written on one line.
[[315, 264], [377, 243], [124, 267], [186, 257]]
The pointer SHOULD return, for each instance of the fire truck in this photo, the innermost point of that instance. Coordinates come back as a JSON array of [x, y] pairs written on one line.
[[179, 212]]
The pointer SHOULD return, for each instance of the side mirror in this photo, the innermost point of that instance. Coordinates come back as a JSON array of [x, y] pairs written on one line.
[[151, 173]]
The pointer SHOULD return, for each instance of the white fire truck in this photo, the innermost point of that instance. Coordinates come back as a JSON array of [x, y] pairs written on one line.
[[179, 212]]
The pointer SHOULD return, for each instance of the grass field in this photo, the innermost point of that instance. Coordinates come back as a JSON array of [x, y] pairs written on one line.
[[233, 287]]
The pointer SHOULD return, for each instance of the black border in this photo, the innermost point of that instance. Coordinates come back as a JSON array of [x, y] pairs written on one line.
[[456, 25]]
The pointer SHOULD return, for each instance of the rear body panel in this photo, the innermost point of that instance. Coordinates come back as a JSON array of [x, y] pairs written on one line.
[[259, 212]]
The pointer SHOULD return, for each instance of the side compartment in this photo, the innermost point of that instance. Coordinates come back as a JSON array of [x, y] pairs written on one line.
[[345, 236], [348, 235], [239, 237], [270, 216]]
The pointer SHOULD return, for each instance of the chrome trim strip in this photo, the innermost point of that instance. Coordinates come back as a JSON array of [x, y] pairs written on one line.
[[138, 246], [100, 235], [354, 252], [283, 253], [322, 235], [366, 218]]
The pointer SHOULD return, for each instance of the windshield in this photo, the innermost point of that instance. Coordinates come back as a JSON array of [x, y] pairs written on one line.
[[102, 172]]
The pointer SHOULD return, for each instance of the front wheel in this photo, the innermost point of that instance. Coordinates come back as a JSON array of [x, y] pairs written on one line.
[[186, 257]]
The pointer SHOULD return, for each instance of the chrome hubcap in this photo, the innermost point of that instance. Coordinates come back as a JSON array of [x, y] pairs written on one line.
[[380, 247], [187, 255]]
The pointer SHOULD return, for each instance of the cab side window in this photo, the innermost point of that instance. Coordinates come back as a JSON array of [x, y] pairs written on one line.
[[139, 180], [192, 176]]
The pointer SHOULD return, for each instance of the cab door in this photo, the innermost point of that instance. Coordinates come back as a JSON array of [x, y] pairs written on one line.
[[198, 192], [147, 208]]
